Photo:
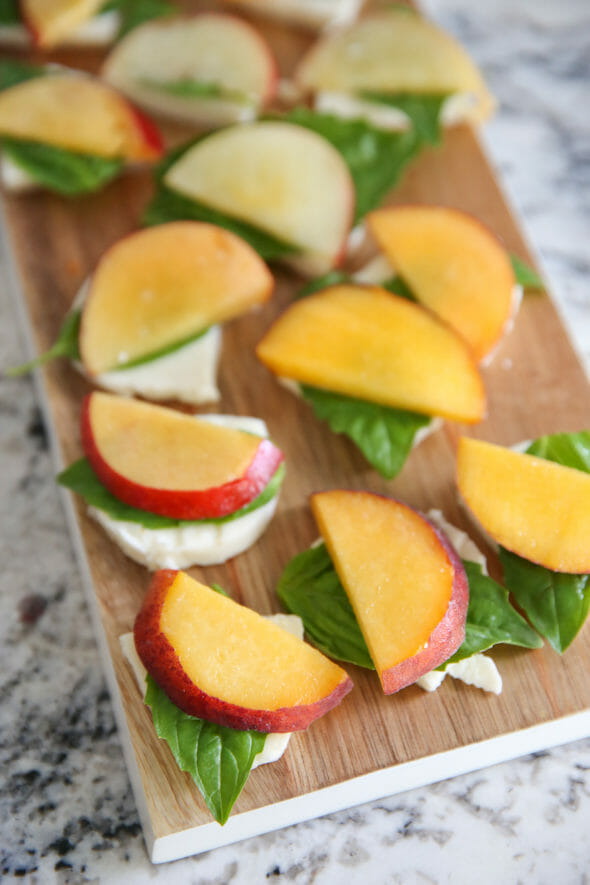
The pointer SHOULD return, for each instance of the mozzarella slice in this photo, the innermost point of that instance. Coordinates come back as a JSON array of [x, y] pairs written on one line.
[[206, 543], [275, 744]]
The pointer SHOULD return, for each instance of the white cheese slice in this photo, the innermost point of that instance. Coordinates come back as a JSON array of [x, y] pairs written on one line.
[[276, 743], [379, 269], [14, 178], [209, 543], [98, 31]]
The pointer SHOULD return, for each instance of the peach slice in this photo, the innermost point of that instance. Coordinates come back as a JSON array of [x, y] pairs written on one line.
[[223, 662], [394, 51], [79, 113], [282, 178], [163, 284], [170, 463], [52, 21], [156, 64], [453, 265], [404, 580], [536, 508], [364, 342]]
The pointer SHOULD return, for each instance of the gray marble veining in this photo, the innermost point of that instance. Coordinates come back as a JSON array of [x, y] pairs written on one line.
[[66, 809]]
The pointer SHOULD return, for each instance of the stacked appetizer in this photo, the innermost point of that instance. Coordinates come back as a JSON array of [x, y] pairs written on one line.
[[147, 322], [209, 69], [375, 366], [67, 131], [48, 24], [386, 590], [388, 65], [228, 701], [171, 489]]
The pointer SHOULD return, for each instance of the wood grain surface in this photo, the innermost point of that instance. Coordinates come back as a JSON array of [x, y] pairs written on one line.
[[535, 385]]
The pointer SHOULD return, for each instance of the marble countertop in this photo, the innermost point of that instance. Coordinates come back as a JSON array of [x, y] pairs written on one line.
[[67, 813]]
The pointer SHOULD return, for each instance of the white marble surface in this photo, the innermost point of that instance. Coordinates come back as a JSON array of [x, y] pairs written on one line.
[[66, 809]]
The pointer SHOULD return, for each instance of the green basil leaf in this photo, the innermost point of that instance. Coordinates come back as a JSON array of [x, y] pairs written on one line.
[[136, 12], [491, 619], [422, 110], [9, 12], [525, 275], [332, 278], [309, 587], [187, 88], [384, 435], [66, 345], [13, 71], [66, 172], [218, 759], [80, 478], [165, 350], [556, 603], [567, 449], [376, 158]]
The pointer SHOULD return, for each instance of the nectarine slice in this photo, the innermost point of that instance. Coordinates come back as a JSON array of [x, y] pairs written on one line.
[[79, 113], [223, 662], [453, 265], [170, 463], [51, 21], [159, 286], [364, 342], [211, 69], [283, 178], [394, 51], [535, 508], [405, 582]]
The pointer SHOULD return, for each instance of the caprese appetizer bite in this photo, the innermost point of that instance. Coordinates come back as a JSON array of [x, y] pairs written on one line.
[[534, 505], [148, 321], [172, 489], [209, 69], [385, 589], [396, 69], [235, 683], [48, 24], [67, 131], [280, 186], [376, 366], [310, 13]]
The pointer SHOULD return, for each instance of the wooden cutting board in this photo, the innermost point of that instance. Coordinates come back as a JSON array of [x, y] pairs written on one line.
[[371, 745]]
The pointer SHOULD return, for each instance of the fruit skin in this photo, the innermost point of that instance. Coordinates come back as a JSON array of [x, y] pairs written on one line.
[[179, 504], [446, 637], [160, 660]]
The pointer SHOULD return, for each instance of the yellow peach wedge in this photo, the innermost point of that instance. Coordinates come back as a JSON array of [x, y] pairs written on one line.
[[454, 266], [161, 285], [405, 582], [52, 21], [364, 342], [533, 507]]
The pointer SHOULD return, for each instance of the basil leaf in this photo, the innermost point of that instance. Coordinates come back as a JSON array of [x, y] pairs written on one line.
[[332, 278], [165, 350], [80, 478], [376, 158], [13, 71], [491, 619], [218, 759], [383, 434], [309, 587], [556, 603], [135, 12], [168, 205], [525, 275], [187, 88], [423, 111], [66, 345], [66, 172], [9, 12], [567, 449]]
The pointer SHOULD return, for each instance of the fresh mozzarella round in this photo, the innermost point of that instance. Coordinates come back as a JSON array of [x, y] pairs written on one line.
[[188, 374], [14, 178], [313, 13]]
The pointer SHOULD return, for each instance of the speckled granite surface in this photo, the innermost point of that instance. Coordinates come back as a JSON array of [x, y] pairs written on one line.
[[66, 809]]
